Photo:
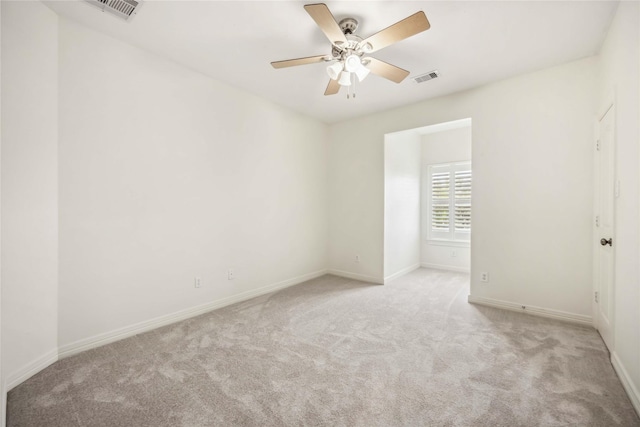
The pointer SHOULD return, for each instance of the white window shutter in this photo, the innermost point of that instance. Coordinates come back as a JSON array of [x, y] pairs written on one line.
[[449, 202], [462, 203], [440, 192]]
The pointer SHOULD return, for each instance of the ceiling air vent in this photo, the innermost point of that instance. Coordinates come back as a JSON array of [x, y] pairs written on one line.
[[428, 76], [125, 9]]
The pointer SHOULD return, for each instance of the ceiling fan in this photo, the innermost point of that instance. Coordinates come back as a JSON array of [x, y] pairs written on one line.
[[349, 51]]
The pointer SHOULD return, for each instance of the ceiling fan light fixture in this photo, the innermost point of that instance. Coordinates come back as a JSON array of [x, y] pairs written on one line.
[[362, 72], [351, 63], [334, 70], [345, 79]]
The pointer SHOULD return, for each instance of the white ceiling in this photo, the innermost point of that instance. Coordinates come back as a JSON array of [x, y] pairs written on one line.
[[470, 43]]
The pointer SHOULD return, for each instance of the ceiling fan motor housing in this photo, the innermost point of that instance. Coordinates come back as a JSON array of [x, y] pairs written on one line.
[[348, 26], [341, 50]]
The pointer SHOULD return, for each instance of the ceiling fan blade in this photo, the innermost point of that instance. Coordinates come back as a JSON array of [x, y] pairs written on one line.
[[388, 71], [327, 23], [298, 61], [332, 88], [401, 30]]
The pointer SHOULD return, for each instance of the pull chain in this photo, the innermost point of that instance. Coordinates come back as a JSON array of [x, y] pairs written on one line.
[[354, 85]]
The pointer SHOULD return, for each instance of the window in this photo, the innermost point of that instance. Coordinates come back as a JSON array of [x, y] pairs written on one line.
[[449, 202]]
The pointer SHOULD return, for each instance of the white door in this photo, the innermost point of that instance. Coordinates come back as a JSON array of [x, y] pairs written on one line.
[[605, 195]]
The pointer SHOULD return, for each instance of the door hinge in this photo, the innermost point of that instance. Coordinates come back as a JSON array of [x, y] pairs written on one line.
[[597, 145], [597, 220], [595, 296]]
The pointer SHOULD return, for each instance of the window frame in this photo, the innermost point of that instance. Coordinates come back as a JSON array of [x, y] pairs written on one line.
[[452, 237]]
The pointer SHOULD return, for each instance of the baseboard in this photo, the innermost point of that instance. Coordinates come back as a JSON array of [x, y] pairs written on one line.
[[627, 382], [29, 370], [444, 267], [355, 276], [536, 311], [128, 331], [401, 273]]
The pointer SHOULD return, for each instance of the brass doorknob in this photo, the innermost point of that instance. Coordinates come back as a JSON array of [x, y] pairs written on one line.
[[605, 242]]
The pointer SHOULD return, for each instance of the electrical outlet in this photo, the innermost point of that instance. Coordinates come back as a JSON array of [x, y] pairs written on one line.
[[230, 275], [454, 253], [196, 282], [357, 258], [484, 277]]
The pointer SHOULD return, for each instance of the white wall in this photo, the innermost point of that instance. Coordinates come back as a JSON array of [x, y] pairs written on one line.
[[447, 146], [29, 189], [401, 203], [356, 214], [620, 74], [3, 391], [532, 141], [166, 174]]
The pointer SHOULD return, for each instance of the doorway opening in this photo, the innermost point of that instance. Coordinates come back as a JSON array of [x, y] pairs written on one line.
[[427, 198]]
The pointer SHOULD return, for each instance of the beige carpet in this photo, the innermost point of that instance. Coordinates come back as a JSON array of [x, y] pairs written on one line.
[[336, 352]]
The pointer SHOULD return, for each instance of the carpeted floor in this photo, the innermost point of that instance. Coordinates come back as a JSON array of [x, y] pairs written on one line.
[[337, 352]]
